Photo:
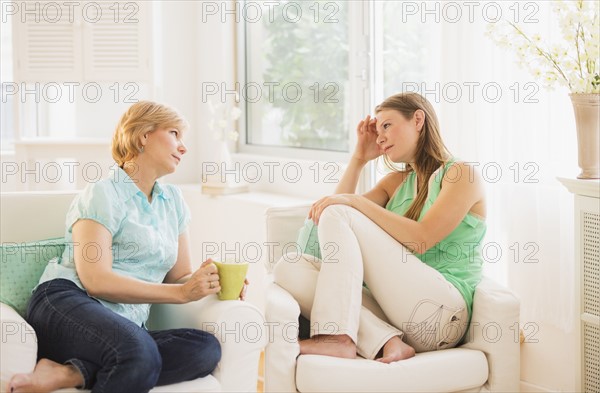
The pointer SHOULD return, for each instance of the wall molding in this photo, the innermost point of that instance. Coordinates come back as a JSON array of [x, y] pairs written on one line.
[[527, 387]]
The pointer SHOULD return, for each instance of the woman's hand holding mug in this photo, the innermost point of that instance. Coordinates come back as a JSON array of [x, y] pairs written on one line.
[[203, 282]]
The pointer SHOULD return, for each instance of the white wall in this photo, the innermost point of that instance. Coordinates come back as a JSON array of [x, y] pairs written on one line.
[[216, 64], [178, 62], [549, 363], [7, 183]]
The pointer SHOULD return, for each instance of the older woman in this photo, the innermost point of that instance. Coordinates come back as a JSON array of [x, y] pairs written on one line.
[[127, 247]]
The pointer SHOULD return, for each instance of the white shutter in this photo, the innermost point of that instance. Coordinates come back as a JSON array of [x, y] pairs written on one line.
[[93, 41], [46, 44], [117, 44]]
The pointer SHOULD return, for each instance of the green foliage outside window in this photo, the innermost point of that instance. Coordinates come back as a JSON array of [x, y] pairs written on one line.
[[311, 56]]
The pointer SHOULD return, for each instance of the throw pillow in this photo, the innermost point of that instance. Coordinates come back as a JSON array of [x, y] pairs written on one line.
[[308, 239], [21, 266]]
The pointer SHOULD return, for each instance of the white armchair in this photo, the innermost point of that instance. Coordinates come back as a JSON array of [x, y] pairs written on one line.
[[487, 360], [29, 217]]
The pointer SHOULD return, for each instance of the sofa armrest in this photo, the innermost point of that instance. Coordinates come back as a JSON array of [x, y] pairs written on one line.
[[494, 331], [18, 351], [282, 312], [239, 326]]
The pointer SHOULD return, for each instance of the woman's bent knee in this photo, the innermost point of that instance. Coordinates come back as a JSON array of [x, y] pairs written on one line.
[[292, 266], [207, 352], [139, 359], [337, 212], [213, 353], [281, 269]]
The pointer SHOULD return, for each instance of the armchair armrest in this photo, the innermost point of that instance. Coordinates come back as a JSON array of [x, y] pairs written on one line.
[[18, 350], [283, 224], [282, 312], [239, 326], [494, 331]]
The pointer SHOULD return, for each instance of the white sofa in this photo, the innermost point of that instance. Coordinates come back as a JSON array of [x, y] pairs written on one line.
[[488, 360], [29, 217]]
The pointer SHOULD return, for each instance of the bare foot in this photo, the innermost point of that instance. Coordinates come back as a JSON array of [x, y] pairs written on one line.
[[396, 349], [46, 377], [340, 346]]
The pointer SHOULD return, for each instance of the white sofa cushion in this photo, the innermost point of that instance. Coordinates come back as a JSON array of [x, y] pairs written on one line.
[[18, 351], [206, 384], [449, 370]]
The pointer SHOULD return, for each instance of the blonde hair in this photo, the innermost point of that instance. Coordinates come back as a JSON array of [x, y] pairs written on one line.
[[431, 152], [141, 118]]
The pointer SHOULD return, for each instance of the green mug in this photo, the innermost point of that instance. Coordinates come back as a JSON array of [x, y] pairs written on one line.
[[231, 278]]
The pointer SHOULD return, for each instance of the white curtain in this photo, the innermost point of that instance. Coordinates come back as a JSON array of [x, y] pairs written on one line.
[[530, 214]]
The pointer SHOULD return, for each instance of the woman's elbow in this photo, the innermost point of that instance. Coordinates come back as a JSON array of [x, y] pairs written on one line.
[[417, 244], [92, 290], [410, 245], [92, 285]]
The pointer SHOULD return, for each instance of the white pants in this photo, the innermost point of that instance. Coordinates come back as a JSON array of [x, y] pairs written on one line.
[[405, 297]]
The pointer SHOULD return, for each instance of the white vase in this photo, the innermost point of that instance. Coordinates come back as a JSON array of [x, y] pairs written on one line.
[[587, 120], [224, 159], [226, 180]]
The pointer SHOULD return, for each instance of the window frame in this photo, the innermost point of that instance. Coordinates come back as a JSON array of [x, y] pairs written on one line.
[[359, 87]]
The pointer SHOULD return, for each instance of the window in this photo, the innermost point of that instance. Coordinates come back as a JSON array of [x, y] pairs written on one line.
[[297, 82], [7, 124], [70, 69], [405, 49], [491, 112]]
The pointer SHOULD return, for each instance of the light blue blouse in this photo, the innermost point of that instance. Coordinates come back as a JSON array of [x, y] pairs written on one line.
[[144, 235]]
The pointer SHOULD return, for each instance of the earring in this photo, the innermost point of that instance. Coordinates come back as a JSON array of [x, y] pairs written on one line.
[[141, 149]]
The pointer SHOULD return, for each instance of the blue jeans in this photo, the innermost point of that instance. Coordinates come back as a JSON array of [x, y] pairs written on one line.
[[112, 353]]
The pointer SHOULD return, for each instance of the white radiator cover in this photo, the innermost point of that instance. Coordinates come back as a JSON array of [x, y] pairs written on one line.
[[587, 271], [588, 226]]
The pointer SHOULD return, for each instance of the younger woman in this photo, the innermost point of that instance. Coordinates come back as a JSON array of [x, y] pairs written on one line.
[[413, 240]]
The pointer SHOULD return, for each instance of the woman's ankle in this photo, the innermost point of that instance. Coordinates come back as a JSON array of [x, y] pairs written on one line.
[[329, 345]]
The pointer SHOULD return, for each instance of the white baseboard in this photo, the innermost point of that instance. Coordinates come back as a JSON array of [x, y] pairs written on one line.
[[527, 387]]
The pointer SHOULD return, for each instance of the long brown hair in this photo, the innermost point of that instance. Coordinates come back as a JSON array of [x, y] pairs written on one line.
[[431, 153]]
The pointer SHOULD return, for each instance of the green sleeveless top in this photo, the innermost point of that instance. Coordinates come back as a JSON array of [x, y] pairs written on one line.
[[458, 256]]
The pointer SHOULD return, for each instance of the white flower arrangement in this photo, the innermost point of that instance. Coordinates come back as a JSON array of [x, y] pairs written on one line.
[[574, 62], [222, 124]]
